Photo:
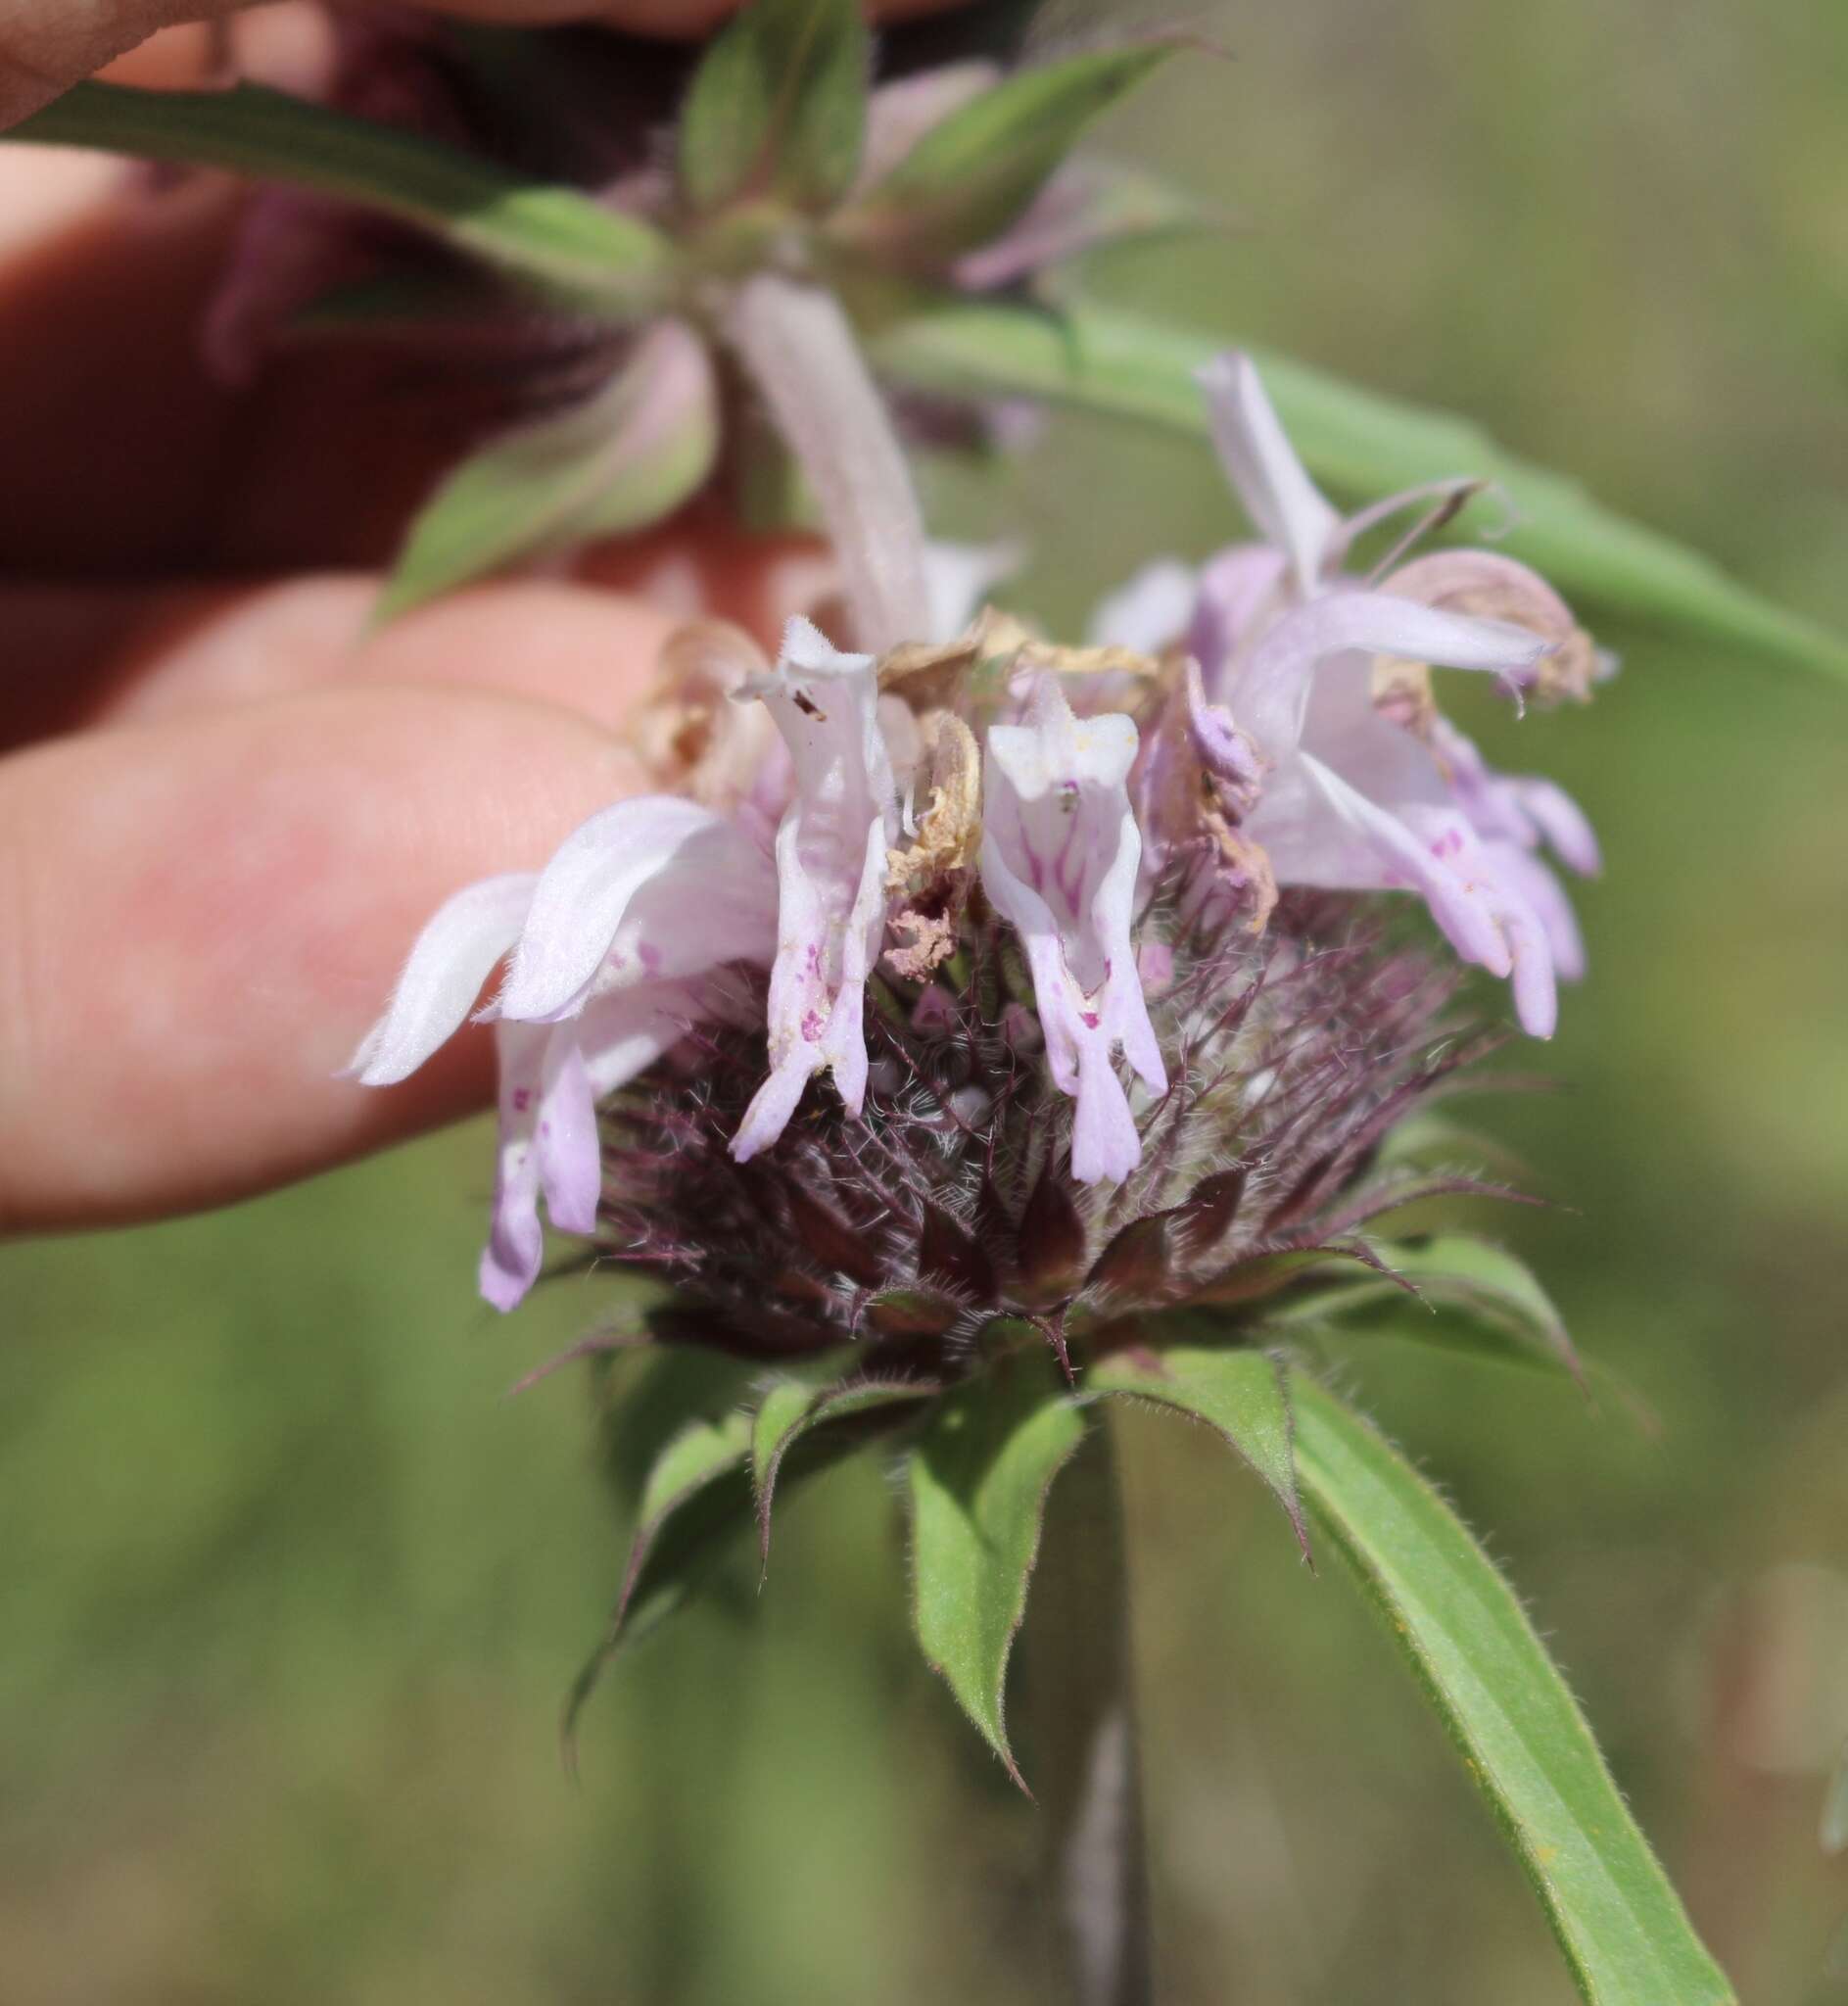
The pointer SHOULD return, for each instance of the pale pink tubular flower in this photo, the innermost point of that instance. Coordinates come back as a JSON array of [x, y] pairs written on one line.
[[1060, 855], [830, 875], [1353, 799], [613, 949], [608, 944]]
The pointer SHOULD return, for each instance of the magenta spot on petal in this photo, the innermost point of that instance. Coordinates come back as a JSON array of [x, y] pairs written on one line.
[[1090, 1018], [521, 1099], [814, 1024], [650, 957]]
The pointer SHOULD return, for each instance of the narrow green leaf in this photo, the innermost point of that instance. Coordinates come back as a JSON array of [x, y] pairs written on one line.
[[678, 1453], [1475, 1294], [552, 237], [795, 1412], [625, 459], [1624, 1932], [976, 171], [1242, 1393], [1359, 443], [697, 1493], [779, 106], [978, 1483]]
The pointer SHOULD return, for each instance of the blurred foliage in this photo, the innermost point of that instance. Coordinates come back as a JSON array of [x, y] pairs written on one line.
[[291, 1598]]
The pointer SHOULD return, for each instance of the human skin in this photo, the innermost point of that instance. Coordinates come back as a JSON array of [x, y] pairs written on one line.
[[226, 810]]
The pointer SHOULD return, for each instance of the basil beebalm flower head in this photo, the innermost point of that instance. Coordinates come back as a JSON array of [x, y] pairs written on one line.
[[987, 979]]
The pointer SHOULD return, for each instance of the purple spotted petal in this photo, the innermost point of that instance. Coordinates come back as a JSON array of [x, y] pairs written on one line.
[[1059, 862], [1512, 808], [509, 1262], [565, 1140], [830, 875], [1319, 830]]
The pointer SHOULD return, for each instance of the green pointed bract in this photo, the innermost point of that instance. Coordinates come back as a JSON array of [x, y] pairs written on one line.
[[777, 107], [678, 1454], [1426, 1140], [624, 459], [794, 1412], [1476, 1295], [1360, 444], [1624, 1932], [698, 1495], [976, 171], [552, 238], [978, 1479], [1241, 1395]]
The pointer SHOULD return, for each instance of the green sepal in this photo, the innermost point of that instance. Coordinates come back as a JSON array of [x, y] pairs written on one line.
[[1361, 444], [552, 237], [1241, 1395], [976, 171], [624, 458], [777, 107], [1624, 1932], [1476, 1297], [978, 1478], [796, 1415]]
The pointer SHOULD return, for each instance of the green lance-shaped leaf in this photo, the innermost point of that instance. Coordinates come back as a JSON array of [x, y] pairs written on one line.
[[625, 459], [795, 1413], [1622, 1927], [692, 1442], [980, 1476], [1359, 443], [696, 1496], [678, 1454], [1476, 1295], [976, 170], [778, 105], [1241, 1394], [552, 237]]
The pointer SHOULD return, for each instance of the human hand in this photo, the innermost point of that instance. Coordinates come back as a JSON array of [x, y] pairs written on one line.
[[225, 810]]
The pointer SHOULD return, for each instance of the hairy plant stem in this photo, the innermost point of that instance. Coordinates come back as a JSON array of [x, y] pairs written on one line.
[[801, 352], [1079, 1722]]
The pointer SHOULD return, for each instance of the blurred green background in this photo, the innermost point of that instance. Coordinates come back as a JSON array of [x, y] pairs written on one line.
[[290, 1595]]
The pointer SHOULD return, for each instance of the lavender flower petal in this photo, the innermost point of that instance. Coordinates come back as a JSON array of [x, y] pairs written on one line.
[[831, 875], [1059, 862], [453, 957], [1285, 506], [701, 880]]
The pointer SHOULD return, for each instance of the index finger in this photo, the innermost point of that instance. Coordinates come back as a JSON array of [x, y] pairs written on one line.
[[48, 45]]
